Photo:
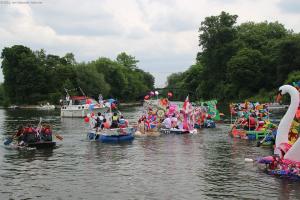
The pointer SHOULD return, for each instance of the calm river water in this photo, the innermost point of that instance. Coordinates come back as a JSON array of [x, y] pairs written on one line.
[[209, 165]]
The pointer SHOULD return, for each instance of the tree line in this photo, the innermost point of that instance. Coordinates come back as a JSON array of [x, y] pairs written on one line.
[[32, 77], [238, 62]]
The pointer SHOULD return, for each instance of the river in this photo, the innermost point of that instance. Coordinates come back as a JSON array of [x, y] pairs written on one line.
[[209, 165]]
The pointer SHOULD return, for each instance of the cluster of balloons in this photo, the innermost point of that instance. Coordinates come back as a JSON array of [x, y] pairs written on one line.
[[156, 93], [88, 116]]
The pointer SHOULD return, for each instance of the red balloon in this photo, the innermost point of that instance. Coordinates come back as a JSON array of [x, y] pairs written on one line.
[[88, 101], [170, 94], [86, 119], [146, 97], [92, 114]]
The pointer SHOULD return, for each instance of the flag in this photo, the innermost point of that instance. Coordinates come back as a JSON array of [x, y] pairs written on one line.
[[186, 105]]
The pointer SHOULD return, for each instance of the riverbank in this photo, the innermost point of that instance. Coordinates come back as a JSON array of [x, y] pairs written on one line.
[[125, 104]]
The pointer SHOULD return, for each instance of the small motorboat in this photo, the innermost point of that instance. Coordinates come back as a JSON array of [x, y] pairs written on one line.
[[47, 106], [112, 135]]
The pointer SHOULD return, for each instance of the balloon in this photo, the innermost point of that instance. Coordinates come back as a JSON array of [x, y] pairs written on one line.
[[113, 106], [88, 101], [298, 114], [146, 97], [86, 119], [92, 114], [156, 93], [170, 94], [151, 93], [91, 106]]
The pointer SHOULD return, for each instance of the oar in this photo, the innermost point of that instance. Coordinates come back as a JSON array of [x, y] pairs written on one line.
[[58, 137], [262, 141]]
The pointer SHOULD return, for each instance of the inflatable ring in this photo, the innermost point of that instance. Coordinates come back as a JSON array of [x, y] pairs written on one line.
[[160, 113]]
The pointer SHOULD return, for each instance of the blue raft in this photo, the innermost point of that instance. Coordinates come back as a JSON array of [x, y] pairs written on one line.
[[112, 136]]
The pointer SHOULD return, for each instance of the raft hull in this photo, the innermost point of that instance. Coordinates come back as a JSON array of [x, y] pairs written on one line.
[[42, 145], [173, 131], [111, 138]]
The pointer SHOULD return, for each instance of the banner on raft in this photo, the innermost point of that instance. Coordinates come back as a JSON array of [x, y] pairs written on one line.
[[211, 108]]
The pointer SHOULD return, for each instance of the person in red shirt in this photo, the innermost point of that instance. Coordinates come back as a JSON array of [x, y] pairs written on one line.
[[250, 123]]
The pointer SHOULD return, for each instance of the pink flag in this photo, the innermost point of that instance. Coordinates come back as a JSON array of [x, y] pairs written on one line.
[[186, 105]]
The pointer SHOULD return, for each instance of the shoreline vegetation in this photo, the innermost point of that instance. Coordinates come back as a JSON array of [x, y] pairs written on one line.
[[125, 104], [235, 63], [238, 62]]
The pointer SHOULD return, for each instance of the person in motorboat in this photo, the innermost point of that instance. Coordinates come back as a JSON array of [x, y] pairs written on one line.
[[114, 121]]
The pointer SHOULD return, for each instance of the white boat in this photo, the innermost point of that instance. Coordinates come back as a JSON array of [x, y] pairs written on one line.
[[13, 107], [47, 106], [80, 106]]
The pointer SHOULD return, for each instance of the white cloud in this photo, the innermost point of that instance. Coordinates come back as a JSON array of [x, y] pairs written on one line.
[[162, 34]]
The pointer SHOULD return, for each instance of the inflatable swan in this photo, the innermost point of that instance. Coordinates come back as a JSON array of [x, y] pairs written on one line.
[[281, 142]]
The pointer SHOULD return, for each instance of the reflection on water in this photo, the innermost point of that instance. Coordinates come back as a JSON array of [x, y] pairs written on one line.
[[209, 165]]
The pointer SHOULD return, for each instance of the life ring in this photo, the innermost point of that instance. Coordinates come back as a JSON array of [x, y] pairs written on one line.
[[160, 113]]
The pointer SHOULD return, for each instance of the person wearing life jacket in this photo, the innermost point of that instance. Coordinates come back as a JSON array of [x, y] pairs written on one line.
[[30, 134], [250, 123], [46, 133], [105, 124], [122, 122], [20, 134], [114, 121], [261, 124]]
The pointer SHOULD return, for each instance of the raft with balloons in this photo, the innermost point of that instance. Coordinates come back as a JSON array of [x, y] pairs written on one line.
[[251, 121]]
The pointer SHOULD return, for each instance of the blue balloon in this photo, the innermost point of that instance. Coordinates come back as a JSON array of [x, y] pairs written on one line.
[[91, 106]]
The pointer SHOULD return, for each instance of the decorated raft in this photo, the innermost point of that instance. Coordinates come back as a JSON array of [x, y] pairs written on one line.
[[29, 137], [112, 135], [252, 121], [250, 135]]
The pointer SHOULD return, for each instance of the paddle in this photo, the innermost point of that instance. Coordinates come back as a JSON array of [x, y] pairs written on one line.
[[262, 141], [58, 137]]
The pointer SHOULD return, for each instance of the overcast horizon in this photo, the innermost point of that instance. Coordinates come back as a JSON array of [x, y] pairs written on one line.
[[161, 34]]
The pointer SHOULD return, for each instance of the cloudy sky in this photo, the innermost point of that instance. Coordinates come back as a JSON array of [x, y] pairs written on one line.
[[161, 34]]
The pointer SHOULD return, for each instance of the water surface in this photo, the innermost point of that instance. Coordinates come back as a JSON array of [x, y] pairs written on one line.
[[209, 165]]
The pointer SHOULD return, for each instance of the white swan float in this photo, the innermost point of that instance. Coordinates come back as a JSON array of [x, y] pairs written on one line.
[[285, 162], [286, 122]]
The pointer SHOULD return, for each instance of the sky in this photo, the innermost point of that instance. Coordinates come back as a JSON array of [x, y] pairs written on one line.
[[161, 34]]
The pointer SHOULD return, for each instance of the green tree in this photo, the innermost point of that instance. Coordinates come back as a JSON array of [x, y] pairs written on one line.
[[23, 77], [127, 61]]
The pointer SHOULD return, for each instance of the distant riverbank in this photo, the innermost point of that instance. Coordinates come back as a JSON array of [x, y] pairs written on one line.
[[127, 104]]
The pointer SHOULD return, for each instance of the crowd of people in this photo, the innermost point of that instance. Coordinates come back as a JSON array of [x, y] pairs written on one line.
[[30, 134], [163, 114], [101, 122]]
